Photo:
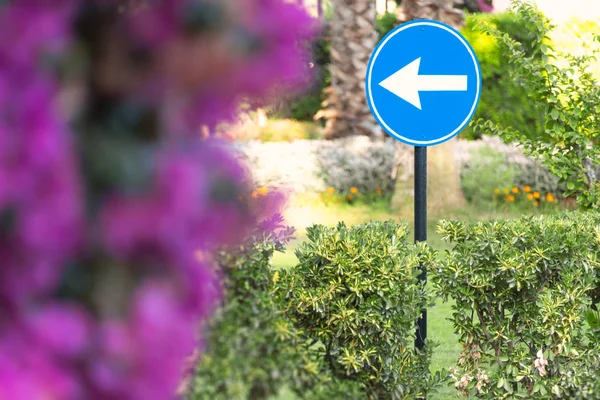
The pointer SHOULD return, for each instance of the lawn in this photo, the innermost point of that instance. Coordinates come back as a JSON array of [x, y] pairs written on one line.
[[306, 211]]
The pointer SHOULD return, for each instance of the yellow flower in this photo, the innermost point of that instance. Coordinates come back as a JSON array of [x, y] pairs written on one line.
[[529, 196], [511, 198], [496, 191], [527, 189], [262, 191], [515, 190], [255, 194], [353, 190], [549, 197], [536, 203], [536, 195], [505, 191], [330, 190], [276, 276]]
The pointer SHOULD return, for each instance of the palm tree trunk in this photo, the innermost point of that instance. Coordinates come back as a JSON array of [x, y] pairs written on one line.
[[353, 39], [440, 10]]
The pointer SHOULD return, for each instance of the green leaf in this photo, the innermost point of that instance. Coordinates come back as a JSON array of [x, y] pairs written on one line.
[[501, 382]]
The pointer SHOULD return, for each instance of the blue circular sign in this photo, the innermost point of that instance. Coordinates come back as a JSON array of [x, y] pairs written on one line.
[[423, 82]]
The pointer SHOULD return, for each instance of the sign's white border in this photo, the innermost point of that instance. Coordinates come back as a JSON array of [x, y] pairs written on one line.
[[381, 44]]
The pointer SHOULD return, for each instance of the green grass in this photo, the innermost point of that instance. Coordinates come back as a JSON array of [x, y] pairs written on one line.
[[304, 212], [439, 331]]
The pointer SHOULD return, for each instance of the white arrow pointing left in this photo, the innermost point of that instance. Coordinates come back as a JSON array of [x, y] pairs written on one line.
[[407, 83]]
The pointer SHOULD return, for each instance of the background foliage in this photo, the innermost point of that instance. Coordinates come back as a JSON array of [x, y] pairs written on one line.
[[503, 100], [564, 85], [486, 171]]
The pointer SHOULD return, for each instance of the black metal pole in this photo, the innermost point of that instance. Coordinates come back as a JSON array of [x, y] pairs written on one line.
[[421, 229]]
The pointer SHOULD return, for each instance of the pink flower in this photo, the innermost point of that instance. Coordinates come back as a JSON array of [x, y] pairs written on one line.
[[65, 333], [143, 357], [27, 372]]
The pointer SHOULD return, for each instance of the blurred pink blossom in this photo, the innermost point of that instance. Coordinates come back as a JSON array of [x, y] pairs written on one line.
[[65, 333]]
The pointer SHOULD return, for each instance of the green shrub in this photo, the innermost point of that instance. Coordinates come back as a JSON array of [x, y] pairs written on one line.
[[522, 290], [503, 100], [486, 171], [564, 86], [251, 349], [355, 291]]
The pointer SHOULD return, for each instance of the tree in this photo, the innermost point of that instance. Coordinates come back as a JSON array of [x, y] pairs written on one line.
[[353, 39], [440, 10], [565, 86]]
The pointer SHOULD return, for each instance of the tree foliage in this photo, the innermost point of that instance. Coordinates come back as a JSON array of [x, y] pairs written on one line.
[[570, 95]]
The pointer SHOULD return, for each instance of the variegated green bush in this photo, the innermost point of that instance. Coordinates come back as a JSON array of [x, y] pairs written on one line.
[[356, 292], [522, 290], [252, 350]]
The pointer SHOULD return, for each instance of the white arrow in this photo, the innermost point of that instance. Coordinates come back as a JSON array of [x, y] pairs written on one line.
[[407, 83]]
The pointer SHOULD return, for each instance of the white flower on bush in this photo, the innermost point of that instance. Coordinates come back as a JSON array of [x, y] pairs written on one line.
[[482, 380], [541, 363], [462, 384]]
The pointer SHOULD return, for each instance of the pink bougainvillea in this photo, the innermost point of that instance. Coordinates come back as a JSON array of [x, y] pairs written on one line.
[[104, 208]]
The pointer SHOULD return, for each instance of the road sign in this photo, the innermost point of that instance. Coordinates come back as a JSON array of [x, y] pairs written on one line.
[[423, 82]]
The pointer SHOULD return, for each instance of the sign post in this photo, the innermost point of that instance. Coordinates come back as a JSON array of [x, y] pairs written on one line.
[[423, 86], [421, 229]]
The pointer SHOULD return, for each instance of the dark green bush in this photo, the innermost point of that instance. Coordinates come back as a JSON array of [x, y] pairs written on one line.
[[252, 350], [522, 290], [385, 23], [355, 291], [305, 106], [503, 100]]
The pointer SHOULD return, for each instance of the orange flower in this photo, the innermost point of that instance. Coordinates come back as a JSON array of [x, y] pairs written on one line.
[[515, 190], [378, 191], [353, 190], [536, 195], [349, 197], [262, 191], [527, 189], [536, 203], [549, 197], [330, 190], [511, 198], [255, 194], [529, 196]]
